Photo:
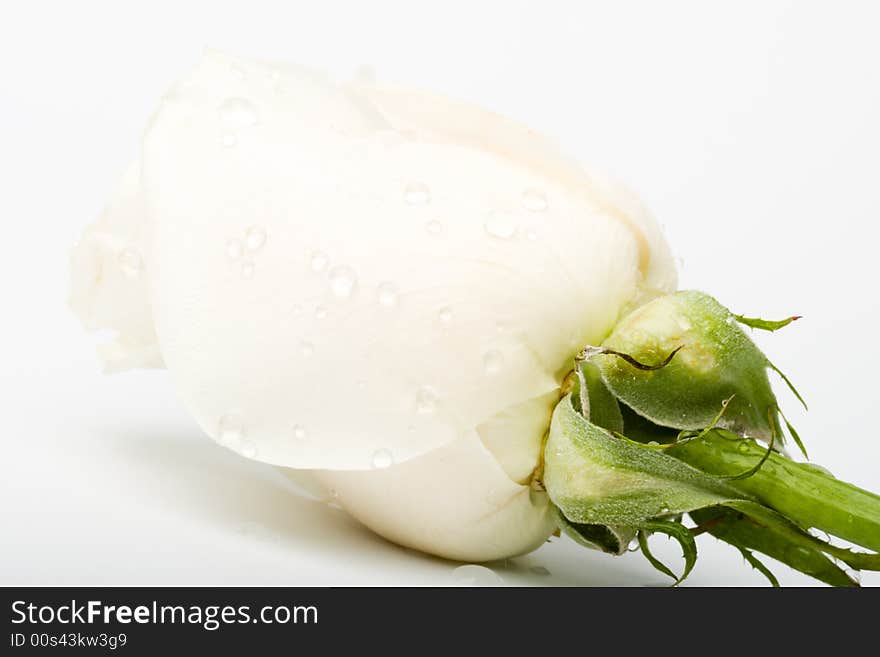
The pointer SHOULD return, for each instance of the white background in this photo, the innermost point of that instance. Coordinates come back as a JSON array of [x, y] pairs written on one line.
[[750, 128]]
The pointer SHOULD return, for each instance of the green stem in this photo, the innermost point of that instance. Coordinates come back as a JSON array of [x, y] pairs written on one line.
[[807, 496]]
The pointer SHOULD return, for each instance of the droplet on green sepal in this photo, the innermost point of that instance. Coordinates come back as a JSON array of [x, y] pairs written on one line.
[[716, 361]]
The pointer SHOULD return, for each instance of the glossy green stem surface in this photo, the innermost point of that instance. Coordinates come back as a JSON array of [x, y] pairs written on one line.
[[807, 495]]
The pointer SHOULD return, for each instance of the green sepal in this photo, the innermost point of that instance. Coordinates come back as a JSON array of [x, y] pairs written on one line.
[[676, 531], [717, 360], [766, 324], [591, 392], [758, 565], [596, 478], [747, 535], [613, 540]]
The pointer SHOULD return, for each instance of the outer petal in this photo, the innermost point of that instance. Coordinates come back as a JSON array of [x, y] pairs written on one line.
[[455, 502], [109, 280], [411, 276]]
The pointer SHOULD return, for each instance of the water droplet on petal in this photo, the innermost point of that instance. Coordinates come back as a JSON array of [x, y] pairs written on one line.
[[426, 400], [229, 140], [333, 502], [248, 449], [382, 458], [320, 312], [434, 227], [387, 295], [238, 113], [474, 575], [493, 361], [416, 193], [534, 200], [231, 430], [501, 225], [255, 238], [343, 282], [744, 447], [247, 269], [318, 262], [307, 349], [445, 315], [539, 570], [234, 249], [299, 432], [130, 263]]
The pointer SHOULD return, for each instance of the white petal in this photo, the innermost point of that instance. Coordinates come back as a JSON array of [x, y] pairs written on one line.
[[423, 267], [455, 502]]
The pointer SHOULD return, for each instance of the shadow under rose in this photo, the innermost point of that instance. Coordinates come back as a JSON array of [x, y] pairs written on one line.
[[252, 508]]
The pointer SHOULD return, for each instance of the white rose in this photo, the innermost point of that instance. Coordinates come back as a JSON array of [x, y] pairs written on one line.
[[373, 284]]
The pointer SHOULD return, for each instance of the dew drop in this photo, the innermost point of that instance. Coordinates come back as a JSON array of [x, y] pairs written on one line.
[[307, 349], [318, 262], [654, 443], [744, 447], [238, 113], [493, 361], [534, 200], [539, 570], [231, 430], [320, 312], [333, 502], [234, 249], [434, 227], [130, 263], [248, 449], [299, 432], [474, 575], [387, 295], [426, 400], [445, 315], [229, 140], [798, 553], [382, 458], [501, 225], [416, 193], [247, 269], [255, 238], [664, 510], [343, 282]]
